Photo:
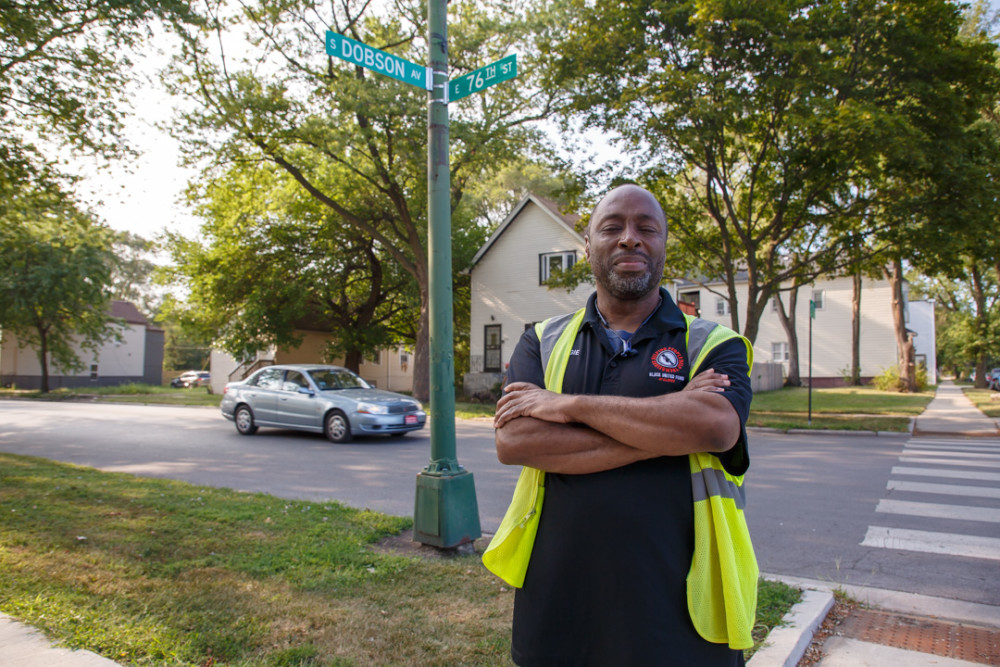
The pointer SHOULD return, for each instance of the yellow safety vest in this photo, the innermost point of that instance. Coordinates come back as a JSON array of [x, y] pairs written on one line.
[[722, 581]]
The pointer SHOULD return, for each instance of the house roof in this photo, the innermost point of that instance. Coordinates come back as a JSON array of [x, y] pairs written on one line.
[[567, 221], [127, 311]]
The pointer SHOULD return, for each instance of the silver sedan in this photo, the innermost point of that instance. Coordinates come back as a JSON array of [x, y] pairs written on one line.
[[321, 399]]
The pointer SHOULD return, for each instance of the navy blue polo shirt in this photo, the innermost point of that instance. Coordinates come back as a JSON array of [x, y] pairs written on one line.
[[606, 580]]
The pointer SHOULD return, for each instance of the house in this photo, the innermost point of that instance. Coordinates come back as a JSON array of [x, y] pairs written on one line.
[[136, 357], [391, 368], [831, 328], [508, 296], [507, 276]]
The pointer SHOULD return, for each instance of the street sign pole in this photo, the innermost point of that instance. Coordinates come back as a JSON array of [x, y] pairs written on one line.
[[446, 513]]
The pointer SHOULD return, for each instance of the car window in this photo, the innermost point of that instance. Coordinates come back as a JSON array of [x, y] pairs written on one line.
[[269, 378], [337, 378], [295, 380]]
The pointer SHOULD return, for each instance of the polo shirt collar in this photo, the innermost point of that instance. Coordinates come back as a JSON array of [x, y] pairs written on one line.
[[667, 317]]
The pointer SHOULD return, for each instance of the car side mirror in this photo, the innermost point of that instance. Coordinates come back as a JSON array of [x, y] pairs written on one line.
[[306, 390]]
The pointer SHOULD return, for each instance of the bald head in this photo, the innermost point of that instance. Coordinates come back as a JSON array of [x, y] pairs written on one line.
[[615, 196]]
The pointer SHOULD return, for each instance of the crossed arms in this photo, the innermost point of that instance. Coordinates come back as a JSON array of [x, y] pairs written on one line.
[[579, 433]]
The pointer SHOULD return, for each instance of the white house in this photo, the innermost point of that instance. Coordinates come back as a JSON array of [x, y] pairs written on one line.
[[507, 291], [831, 329], [508, 296], [136, 357]]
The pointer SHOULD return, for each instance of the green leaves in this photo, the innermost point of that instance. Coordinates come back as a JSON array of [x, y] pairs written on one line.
[[55, 286]]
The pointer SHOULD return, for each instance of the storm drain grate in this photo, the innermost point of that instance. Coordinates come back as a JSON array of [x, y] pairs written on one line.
[[963, 642]]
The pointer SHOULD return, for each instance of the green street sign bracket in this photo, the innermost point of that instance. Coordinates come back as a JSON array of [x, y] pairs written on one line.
[[377, 60], [484, 77]]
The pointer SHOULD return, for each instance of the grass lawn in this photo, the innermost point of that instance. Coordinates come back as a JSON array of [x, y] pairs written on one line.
[[126, 393], [986, 400], [157, 572], [848, 408]]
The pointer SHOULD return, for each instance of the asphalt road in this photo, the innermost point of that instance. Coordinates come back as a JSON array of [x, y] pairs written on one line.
[[812, 499]]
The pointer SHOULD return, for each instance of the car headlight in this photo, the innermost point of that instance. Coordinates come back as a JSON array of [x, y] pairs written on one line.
[[373, 409]]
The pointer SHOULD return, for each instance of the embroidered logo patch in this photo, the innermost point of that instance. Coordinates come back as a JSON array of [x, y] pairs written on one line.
[[668, 363]]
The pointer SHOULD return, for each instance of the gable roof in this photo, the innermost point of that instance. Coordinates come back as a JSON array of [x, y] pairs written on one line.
[[547, 205]]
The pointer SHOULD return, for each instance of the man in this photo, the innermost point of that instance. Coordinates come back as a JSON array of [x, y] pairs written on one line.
[[606, 580]]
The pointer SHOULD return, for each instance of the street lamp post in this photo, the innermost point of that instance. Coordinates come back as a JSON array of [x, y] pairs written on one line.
[[446, 513]]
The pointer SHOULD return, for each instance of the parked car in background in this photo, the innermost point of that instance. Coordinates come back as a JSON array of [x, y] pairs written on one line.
[[321, 399], [993, 379], [191, 379]]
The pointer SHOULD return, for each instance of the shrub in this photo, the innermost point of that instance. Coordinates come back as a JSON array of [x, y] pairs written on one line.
[[888, 379]]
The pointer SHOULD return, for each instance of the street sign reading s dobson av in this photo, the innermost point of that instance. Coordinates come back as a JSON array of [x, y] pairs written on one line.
[[377, 60], [473, 82]]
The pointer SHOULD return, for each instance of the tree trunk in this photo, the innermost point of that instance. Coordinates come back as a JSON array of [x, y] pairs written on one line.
[[794, 378], [352, 361], [855, 379], [43, 359], [981, 328], [904, 341]]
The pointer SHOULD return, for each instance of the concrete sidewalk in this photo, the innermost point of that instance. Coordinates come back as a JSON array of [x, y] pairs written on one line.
[[952, 413], [935, 626]]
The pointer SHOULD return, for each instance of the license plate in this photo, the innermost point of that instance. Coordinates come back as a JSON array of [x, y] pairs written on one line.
[[410, 419]]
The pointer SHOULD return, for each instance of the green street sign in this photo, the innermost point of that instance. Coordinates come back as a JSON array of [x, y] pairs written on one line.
[[377, 60], [473, 82]]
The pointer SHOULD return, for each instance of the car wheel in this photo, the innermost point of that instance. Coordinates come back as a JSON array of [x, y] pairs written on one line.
[[336, 427], [244, 421]]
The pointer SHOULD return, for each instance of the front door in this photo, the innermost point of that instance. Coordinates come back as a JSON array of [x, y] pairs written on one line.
[[491, 356]]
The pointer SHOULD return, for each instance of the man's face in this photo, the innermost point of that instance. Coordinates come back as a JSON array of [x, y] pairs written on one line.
[[626, 242]]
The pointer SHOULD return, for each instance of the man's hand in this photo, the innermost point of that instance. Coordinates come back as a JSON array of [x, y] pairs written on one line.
[[523, 399], [708, 380]]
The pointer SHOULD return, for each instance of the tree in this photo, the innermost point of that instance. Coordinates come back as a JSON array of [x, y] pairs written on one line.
[[353, 140], [755, 121], [133, 273], [275, 262], [64, 69], [55, 286]]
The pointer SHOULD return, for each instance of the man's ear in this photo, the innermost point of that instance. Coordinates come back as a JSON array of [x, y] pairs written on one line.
[[586, 247]]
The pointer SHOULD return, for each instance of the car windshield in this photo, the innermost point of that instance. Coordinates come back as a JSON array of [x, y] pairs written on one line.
[[337, 378]]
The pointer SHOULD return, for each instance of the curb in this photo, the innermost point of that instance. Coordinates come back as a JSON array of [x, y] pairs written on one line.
[[786, 644], [827, 431]]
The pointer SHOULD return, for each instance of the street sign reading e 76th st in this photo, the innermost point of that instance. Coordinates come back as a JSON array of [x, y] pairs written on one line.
[[377, 60], [473, 82]]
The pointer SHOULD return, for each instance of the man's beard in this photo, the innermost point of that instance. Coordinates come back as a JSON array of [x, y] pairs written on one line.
[[630, 286]]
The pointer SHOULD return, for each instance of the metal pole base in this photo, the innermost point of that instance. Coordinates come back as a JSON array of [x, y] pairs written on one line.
[[446, 513]]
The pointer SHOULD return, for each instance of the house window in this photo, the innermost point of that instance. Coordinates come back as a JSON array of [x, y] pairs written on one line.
[[404, 361], [375, 357], [554, 261], [774, 304], [530, 325], [818, 298], [93, 371], [491, 356], [779, 351], [721, 306]]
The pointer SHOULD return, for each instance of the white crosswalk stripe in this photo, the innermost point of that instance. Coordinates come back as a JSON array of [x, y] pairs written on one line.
[[956, 482]]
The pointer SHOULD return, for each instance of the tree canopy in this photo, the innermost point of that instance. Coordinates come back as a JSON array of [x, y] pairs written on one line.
[[55, 287], [763, 125], [353, 140]]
